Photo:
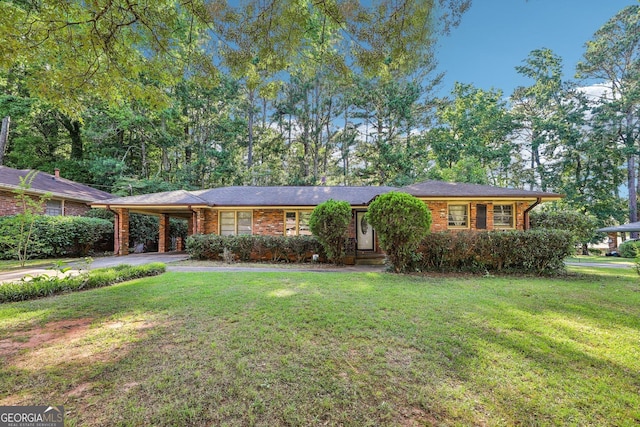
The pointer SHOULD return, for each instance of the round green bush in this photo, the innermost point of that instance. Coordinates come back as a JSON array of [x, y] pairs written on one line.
[[401, 221], [629, 248], [329, 222]]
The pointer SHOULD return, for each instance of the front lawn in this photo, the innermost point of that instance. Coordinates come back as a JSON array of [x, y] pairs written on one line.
[[330, 349]]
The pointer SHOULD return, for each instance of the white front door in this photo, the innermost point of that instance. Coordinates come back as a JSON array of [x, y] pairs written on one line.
[[364, 233]]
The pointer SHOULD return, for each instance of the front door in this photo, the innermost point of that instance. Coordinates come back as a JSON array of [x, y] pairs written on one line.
[[364, 233]]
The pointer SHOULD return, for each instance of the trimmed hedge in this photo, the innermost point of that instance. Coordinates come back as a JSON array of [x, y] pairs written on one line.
[[532, 251], [629, 248], [44, 286], [248, 247], [55, 236]]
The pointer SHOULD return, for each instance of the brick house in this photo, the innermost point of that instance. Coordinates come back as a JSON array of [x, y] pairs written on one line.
[[67, 197], [285, 211]]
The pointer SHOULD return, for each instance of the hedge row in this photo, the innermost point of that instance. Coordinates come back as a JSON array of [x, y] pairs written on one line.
[[532, 251], [55, 236], [250, 247], [44, 286]]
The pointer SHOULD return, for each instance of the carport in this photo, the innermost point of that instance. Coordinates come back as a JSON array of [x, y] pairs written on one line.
[[613, 231]]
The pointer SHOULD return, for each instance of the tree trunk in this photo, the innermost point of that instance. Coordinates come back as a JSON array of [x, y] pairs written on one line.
[[4, 137], [75, 133], [633, 196], [250, 118]]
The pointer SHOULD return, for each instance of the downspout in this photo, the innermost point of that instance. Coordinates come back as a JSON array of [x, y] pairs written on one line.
[[526, 212]]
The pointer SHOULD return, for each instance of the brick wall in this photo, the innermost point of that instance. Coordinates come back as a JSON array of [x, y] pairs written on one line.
[[75, 208], [271, 221], [440, 216], [268, 222], [9, 206]]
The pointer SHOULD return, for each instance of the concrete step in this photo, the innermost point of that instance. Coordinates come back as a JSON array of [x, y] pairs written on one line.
[[376, 259]]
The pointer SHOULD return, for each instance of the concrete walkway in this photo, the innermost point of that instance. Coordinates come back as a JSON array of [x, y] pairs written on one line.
[[598, 264]]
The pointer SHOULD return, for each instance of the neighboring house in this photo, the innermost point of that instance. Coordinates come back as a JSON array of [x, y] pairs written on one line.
[[286, 210], [67, 197]]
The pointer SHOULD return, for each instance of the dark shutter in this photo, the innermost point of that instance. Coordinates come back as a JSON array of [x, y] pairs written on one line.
[[481, 217]]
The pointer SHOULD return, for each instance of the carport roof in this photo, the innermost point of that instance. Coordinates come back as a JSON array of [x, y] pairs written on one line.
[[622, 228]]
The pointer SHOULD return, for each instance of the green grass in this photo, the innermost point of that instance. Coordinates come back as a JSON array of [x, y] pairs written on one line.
[[331, 349], [600, 259]]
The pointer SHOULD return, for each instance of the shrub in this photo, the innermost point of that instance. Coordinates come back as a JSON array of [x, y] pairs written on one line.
[[43, 286], [246, 247], [581, 225], [329, 222], [57, 235], [533, 251], [401, 221], [629, 248]]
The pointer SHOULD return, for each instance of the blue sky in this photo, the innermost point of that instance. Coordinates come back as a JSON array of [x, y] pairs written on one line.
[[495, 36]]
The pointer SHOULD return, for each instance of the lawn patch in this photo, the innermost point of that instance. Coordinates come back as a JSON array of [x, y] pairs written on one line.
[[332, 348]]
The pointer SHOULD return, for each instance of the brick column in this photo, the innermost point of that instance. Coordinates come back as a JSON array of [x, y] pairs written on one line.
[[164, 239], [122, 232], [613, 242], [199, 221], [191, 224]]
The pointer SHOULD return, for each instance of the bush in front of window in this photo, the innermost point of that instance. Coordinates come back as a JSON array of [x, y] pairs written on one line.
[[401, 221], [329, 222], [249, 247], [515, 251], [55, 236]]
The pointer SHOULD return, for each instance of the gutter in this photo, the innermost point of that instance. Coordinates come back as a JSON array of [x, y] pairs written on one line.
[[526, 212]]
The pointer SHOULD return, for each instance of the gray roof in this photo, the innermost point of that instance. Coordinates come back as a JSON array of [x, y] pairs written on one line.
[[47, 183], [633, 226], [312, 196], [289, 196], [178, 197], [455, 189]]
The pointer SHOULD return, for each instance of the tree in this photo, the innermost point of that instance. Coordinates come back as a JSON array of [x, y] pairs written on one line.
[[118, 49], [17, 233], [329, 222], [401, 221], [613, 56], [473, 137], [582, 227]]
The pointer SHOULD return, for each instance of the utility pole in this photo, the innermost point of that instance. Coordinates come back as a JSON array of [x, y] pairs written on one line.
[[4, 136]]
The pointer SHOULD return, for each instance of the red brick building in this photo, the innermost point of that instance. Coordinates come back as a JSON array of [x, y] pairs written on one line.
[[66, 197], [286, 210]]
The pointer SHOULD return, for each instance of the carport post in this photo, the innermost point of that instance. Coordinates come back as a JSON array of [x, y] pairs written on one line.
[[164, 239], [121, 232]]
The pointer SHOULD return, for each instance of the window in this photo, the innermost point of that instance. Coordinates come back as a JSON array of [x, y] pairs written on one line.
[[296, 223], [458, 216], [235, 222], [54, 208], [503, 216]]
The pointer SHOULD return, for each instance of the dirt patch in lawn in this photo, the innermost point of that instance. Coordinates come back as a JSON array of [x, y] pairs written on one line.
[[70, 340], [51, 333]]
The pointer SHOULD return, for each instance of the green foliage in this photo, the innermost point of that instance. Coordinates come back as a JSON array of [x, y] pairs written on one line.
[[629, 248], [54, 236], [248, 247], [17, 233], [401, 221], [329, 222], [45, 285], [582, 226], [530, 252]]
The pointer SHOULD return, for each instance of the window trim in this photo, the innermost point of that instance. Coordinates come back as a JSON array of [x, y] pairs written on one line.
[[297, 225], [235, 222], [61, 209], [467, 224], [513, 216]]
